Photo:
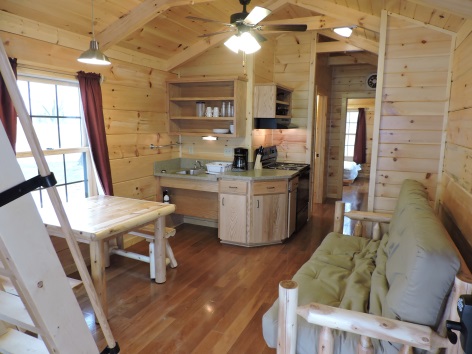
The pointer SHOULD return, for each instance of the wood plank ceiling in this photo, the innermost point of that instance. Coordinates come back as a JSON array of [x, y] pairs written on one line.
[[160, 32]]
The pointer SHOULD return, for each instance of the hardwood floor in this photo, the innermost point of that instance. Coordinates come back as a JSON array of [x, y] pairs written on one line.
[[212, 302]]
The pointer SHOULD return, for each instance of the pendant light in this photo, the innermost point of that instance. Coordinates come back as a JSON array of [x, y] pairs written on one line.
[[93, 55]]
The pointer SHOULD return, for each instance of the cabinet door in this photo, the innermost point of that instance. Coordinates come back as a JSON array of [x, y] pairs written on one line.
[[269, 218], [232, 218]]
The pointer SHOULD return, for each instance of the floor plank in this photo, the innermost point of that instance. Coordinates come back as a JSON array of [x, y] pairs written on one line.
[[212, 302]]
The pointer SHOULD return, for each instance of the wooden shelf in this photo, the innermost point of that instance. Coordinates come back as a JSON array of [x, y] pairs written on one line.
[[213, 119], [194, 99], [183, 95]]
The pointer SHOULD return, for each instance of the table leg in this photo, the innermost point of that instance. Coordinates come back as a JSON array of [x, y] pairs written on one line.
[[160, 250], [97, 260]]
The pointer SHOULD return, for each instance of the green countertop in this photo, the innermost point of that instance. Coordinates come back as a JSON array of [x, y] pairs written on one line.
[[173, 166]]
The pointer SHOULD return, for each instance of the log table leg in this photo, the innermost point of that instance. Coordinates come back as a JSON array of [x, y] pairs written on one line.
[[160, 250], [97, 260]]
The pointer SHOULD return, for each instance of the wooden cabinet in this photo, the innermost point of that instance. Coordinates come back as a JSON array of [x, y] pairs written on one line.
[[269, 212], [262, 221], [232, 221], [272, 101], [183, 95]]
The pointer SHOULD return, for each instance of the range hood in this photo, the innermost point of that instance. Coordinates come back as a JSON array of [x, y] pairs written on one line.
[[274, 123]]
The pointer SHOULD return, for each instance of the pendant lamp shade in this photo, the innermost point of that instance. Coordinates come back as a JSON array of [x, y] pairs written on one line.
[[93, 55]]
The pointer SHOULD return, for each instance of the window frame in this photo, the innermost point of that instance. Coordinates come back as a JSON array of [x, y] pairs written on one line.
[[346, 134], [91, 181]]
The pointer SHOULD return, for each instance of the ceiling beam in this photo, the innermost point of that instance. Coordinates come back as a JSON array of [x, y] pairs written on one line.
[[328, 8], [313, 22], [32, 29], [196, 49], [136, 19], [207, 43], [363, 43], [330, 47], [365, 58], [460, 8]]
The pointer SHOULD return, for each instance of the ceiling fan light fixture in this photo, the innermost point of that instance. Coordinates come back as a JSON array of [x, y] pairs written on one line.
[[93, 55], [233, 43], [343, 31], [248, 44], [244, 42]]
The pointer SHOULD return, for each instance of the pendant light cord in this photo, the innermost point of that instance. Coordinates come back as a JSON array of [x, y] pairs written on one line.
[[93, 28]]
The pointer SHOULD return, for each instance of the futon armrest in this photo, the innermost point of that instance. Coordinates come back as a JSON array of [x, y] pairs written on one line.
[[372, 326], [368, 216]]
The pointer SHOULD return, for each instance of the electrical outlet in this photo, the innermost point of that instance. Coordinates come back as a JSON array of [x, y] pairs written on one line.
[[190, 149], [228, 151]]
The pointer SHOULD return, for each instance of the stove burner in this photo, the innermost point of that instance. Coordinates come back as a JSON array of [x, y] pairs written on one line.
[[285, 166]]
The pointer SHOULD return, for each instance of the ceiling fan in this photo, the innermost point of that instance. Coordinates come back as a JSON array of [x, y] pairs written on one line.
[[245, 24]]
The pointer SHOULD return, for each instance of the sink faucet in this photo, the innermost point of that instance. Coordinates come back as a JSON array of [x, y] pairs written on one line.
[[200, 166]]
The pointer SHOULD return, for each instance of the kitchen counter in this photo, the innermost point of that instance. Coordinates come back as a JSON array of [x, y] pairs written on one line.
[[172, 166]]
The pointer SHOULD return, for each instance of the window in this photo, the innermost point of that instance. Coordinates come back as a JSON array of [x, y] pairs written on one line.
[[55, 110], [351, 127]]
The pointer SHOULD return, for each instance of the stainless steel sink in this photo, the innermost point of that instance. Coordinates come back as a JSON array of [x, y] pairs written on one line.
[[191, 172]]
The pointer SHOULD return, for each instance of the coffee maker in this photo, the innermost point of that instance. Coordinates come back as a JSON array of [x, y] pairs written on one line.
[[240, 162]]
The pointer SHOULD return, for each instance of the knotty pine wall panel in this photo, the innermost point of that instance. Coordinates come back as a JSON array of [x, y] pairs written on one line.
[[414, 100], [347, 82], [292, 69], [134, 113]]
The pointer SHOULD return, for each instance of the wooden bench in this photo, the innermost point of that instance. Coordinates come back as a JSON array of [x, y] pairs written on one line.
[[147, 232]]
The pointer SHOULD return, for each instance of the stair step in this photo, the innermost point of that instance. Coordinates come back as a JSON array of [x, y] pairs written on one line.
[[14, 312], [13, 342]]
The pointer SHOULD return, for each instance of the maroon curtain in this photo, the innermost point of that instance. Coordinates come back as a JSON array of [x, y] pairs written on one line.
[[7, 110], [360, 142], [91, 94]]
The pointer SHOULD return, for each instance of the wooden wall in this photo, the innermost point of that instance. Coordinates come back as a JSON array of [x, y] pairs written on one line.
[[413, 105], [134, 110], [456, 183], [294, 53], [348, 81]]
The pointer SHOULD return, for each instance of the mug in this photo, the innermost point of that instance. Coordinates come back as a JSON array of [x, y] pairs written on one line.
[[208, 112], [231, 128], [216, 112]]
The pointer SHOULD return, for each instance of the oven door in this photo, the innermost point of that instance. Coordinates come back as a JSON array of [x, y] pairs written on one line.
[[303, 197]]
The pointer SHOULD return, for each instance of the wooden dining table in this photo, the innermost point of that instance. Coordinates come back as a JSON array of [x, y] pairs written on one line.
[[97, 220]]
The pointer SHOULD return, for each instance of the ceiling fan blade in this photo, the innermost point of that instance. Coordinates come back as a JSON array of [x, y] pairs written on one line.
[[256, 15], [208, 20], [214, 33], [259, 37], [289, 27]]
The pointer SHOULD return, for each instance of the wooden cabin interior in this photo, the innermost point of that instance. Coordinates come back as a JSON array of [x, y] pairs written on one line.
[[419, 126]]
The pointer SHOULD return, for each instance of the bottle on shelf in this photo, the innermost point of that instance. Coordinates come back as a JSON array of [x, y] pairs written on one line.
[[223, 110], [200, 105], [230, 110], [166, 197]]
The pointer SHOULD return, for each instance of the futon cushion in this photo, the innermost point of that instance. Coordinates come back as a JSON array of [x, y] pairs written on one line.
[[338, 274], [421, 261]]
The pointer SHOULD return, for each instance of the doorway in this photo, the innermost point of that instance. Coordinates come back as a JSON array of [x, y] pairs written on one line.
[[356, 176]]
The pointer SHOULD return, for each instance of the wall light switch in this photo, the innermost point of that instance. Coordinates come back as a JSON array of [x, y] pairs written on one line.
[[228, 151]]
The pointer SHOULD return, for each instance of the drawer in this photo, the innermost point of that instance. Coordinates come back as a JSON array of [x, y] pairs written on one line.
[[233, 187], [270, 187]]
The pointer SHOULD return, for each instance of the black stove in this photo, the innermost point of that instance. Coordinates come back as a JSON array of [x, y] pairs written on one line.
[[269, 161], [288, 166], [302, 191]]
